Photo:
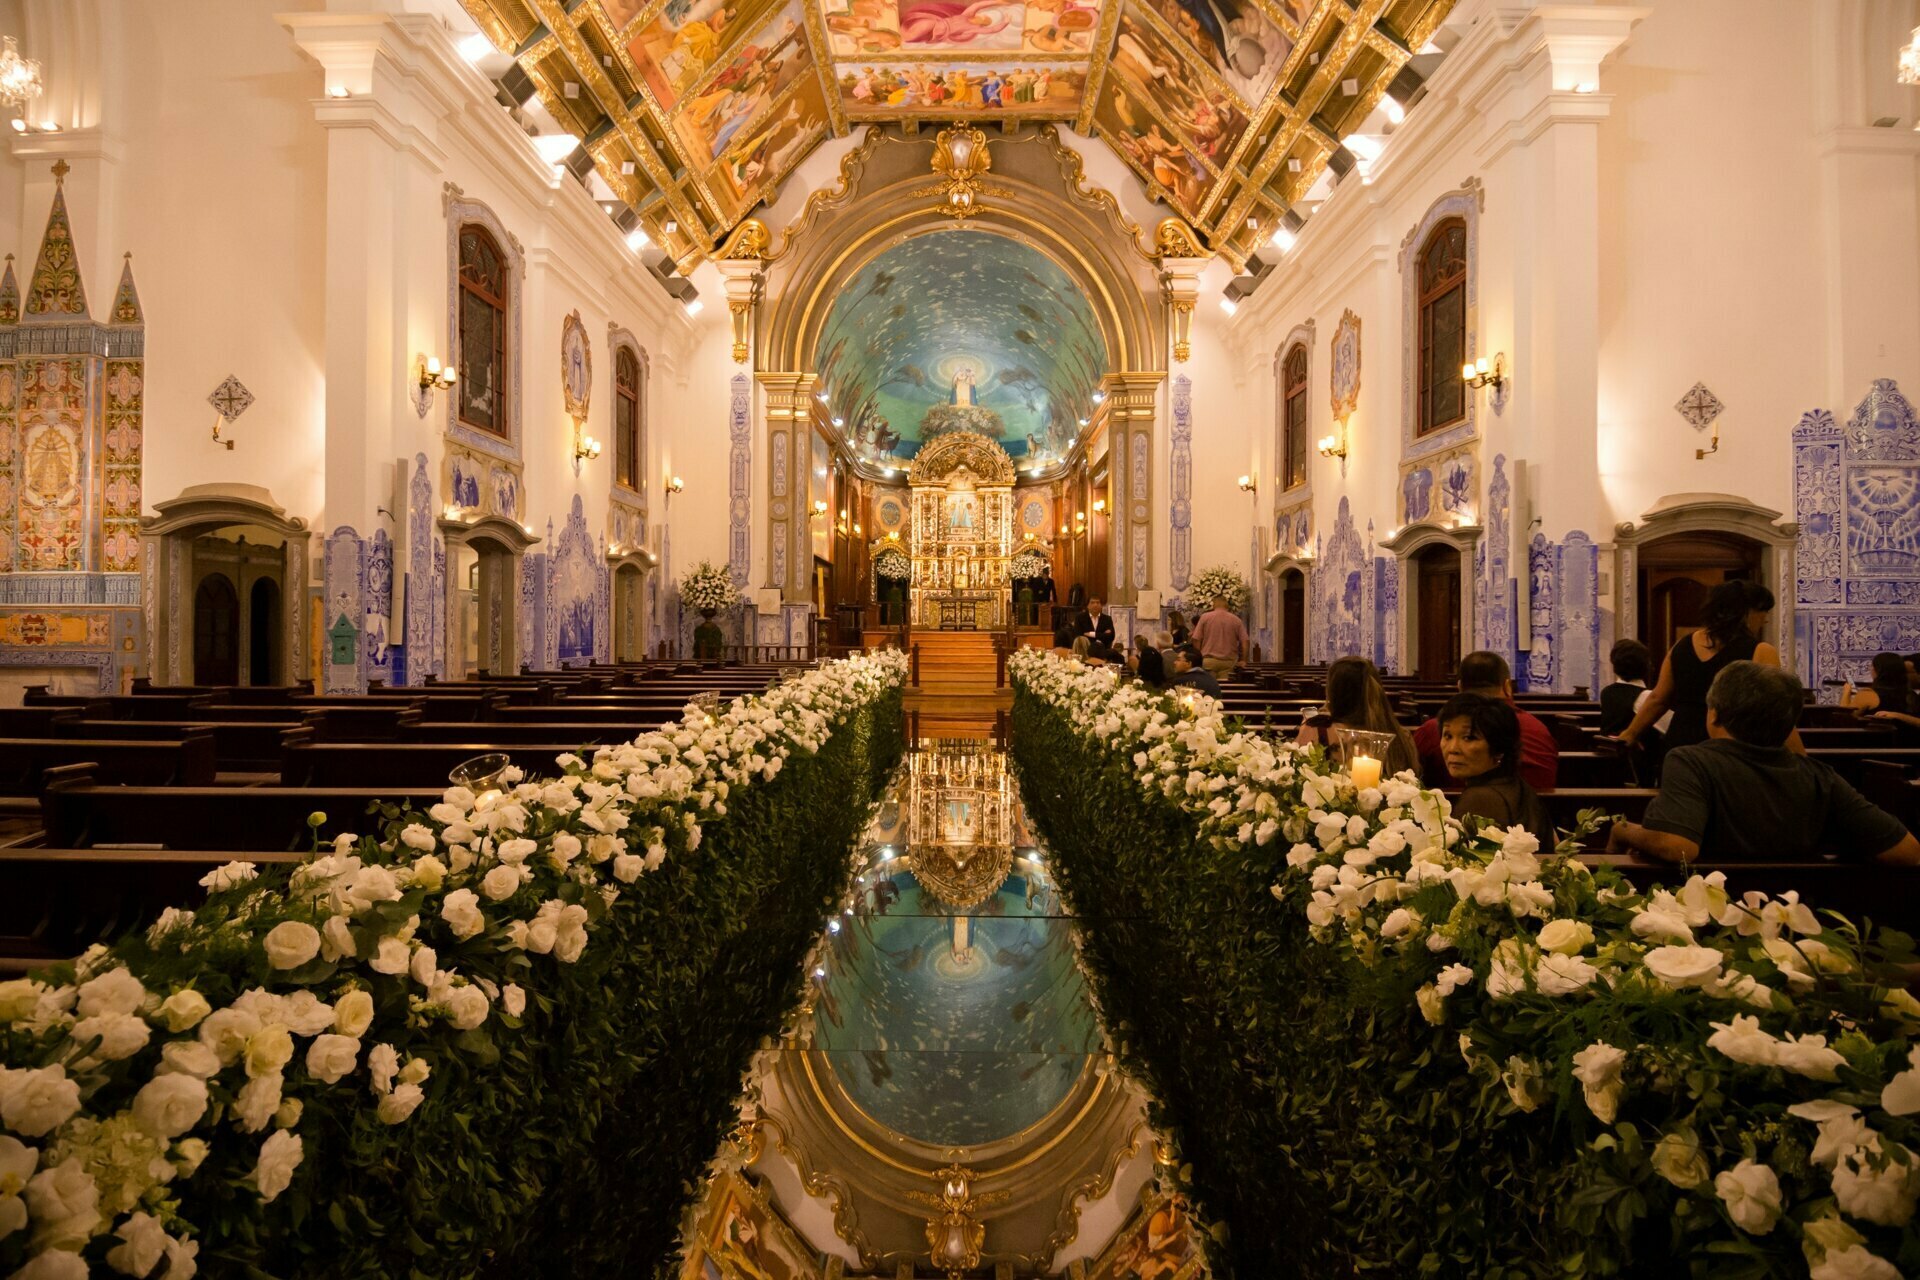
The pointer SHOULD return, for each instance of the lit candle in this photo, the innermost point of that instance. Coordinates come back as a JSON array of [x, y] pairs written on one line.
[[1365, 772]]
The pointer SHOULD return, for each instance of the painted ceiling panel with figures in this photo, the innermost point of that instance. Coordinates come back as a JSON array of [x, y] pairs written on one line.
[[696, 110]]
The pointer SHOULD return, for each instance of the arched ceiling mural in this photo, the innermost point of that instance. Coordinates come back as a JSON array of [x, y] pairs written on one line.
[[965, 308], [694, 111]]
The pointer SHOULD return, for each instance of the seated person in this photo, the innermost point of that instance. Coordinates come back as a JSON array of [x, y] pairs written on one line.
[[1083, 649], [1889, 691], [1146, 663], [1480, 741], [1488, 674], [1095, 623], [1743, 796], [1632, 664], [1063, 641], [1356, 700], [1189, 674]]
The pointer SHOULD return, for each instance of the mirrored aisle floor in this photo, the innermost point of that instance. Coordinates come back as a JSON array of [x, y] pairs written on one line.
[[944, 1104]]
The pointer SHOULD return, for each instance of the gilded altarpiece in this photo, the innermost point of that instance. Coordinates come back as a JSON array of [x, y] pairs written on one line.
[[71, 397], [962, 532]]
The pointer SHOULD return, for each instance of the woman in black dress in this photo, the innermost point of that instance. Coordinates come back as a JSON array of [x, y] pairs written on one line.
[[1734, 616]]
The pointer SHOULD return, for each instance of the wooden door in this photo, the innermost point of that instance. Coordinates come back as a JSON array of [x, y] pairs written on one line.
[[1437, 614], [1293, 618], [1677, 572], [216, 631], [263, 631]]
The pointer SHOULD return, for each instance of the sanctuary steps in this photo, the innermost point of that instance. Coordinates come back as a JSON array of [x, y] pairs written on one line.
[[958, 663]]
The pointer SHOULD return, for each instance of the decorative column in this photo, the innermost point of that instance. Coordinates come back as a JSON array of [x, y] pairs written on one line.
[[742, 264], [788, 400], [1131, 406]]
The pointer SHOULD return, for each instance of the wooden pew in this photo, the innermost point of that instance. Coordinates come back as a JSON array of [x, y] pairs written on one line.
[[1858, 890], [183, 761], [241, 746], [79, 813], [59, 902], [308, 763]]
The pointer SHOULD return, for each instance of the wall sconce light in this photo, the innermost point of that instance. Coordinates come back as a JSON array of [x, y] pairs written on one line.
[[857, 529], [430, 376], [675, 484], [1099, 506], [893, 535], [819, 510], [1482, 373], [585, 447], [1247, 484], [1333, 446]]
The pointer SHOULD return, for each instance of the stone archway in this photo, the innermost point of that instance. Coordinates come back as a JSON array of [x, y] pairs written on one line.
[[1293, 578], [630, 581], [1407, 545], [1717, 515], [494, 550], [167, 586]]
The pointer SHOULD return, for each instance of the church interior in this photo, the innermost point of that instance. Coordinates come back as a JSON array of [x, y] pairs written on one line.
[[959, 639]]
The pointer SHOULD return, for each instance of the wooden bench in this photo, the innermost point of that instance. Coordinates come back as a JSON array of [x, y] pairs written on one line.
[[1858, 890], [59, 902], [77, 812], [246, 746], [183, 761], [308, 763]]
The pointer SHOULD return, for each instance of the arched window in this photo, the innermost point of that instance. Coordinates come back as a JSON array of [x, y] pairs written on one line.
[[1442, 303], [483, 332], [629, 397], [1293, 382]]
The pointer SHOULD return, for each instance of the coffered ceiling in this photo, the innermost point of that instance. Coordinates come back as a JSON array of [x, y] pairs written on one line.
[[694, 111]]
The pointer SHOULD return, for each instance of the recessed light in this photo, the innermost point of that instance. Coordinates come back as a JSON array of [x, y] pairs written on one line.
[[694, 306], [333, 91], [474, 47]]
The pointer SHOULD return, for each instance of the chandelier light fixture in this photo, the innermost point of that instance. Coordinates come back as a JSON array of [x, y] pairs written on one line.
[[19, 77], [1909, 58]]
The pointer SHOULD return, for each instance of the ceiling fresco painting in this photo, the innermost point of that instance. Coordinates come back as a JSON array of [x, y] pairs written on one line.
[[960, 305], [695, 111]]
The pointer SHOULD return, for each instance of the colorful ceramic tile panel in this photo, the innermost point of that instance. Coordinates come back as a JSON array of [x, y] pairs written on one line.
[[91, 630]]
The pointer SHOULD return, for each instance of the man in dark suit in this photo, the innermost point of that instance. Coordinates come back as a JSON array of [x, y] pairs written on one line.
[[1093, 623]]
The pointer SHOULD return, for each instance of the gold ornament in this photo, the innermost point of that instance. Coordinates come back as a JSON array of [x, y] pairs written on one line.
[[961, 162], [1175, 239]]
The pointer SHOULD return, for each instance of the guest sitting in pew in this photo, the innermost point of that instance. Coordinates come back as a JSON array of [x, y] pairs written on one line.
[[1632, 663], [1480, 741], [1189, 674], [1146, 663], [1356, 700], [1890, 690], [1487, 674], [1744, 796]]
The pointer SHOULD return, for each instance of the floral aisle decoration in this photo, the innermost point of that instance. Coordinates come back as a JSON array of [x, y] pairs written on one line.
[[1027, 564], [892, 563], [358, 1067], [1220, 580], [1641, 1077], [708, 586]]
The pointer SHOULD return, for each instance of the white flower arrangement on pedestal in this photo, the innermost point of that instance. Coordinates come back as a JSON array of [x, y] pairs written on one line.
[[1220, 580], [363, 970], [1028, 564], [708, 586], [1788, 1015], [892, 563]]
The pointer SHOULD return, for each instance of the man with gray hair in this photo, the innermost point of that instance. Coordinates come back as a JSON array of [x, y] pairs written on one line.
[[1744, 796]]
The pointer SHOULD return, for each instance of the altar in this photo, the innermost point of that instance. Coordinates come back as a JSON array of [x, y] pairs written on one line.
[[961, 533]]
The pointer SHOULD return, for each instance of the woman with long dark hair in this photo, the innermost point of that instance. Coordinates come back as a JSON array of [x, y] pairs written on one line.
[[1889, 691], [1357, 700], [1732, 620], [1480, 741]]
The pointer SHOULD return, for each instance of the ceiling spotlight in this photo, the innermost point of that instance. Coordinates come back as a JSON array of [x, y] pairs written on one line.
[[19, 125], [339, 91], [1099, 396], [1228, 305], [1284, 238], [838, 421], [638, 239], [1396, 114], [555, 147], [474, 47], [694, 306], [1083, 422]]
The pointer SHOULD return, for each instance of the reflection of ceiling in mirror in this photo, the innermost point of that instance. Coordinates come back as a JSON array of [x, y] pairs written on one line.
[[697, 110]]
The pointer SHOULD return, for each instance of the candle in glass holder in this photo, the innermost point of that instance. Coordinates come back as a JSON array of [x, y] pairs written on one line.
[[1365, 772]]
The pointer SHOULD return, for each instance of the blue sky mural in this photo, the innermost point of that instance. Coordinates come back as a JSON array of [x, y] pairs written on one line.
[[948, 305]]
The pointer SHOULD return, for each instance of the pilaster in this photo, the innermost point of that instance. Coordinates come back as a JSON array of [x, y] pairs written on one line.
[[1132, 401], [788, 406]]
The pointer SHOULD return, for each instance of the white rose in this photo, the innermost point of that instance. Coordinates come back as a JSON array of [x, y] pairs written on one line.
[[332, 1056], [1560, 975], [392, 956], [65, 1205], [1566, 937], [143, 1239], [429, 873], [513, 1000], [501, 883], [256, 1102], [291, 943], [415, 1072], [353, 1013], [467, 1007], [627, 867], [416, 836], [268, 1050], [1745, 1041], [1398, 921], [226, 1032], [121, 1035], [426, 963], [1885, 1196], [461, 910], [115, 991], [1452, 978], [1598, 1068], [54, 1264], [395, 1107], [1526, 1084], [1901, 1097], [1670, 925], [382, 1064], [169, 1105], [280, 1155], [305, 1013], [1433, 1005], [183, 1010], [17, 1163], [1854, 1262], [18, 998], [1808, 1056], [188, 1155], [189, 1057], [566, 847], [1751, 1193], [1677, 1158], [336, 938], [370, 887], [227, 876], [514, 852], [1684, 966]]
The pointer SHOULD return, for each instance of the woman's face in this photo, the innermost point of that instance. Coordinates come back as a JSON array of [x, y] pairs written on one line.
[[1757, 620], [1465, 751]]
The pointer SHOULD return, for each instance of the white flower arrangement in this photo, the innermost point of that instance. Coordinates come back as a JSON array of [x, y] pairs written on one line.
[[892, 563], [1785, 1021], [1220, 580], [1027, 564], [708, 586], [118, 1102]]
